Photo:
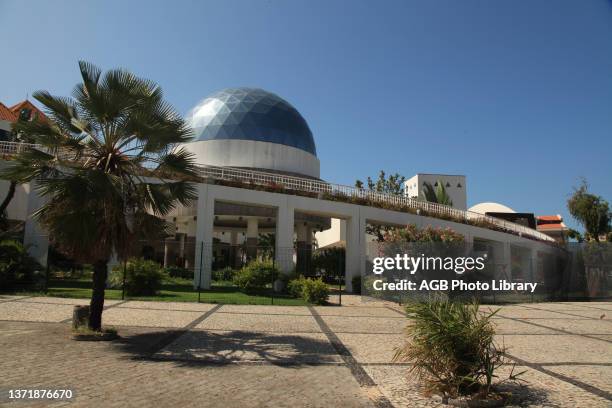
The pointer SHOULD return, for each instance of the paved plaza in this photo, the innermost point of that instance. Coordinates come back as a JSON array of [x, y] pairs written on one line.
[[189, 354]]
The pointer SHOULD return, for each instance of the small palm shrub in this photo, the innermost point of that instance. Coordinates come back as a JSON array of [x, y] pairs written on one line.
[[179, 272], [311, 290], [17, 267], [142, 278], [450, 348], [255, 276], [225, 274]]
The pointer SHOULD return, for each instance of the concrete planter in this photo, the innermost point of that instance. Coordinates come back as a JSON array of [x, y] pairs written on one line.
[[80, 316], [500, 401]]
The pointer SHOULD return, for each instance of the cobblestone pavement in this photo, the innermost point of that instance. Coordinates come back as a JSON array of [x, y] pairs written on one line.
[[254, 356]]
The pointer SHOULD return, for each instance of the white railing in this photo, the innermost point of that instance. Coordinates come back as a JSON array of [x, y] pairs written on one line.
[[325, 190]]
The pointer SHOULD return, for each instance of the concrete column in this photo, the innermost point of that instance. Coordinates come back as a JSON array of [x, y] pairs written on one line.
[[503, 252], [469, 241], [252, 237], [182, 245], [35, 239], [166, 253], [284, 238], [112, 262], [304, 248], [204, 238], [535, 263], [234, 252], [355, 250]]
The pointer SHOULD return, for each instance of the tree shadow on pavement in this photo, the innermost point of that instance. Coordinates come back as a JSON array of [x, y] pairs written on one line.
[[197, 347]]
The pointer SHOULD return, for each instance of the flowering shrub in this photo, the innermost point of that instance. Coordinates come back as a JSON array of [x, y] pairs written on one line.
[[367, 201], [411, 233]]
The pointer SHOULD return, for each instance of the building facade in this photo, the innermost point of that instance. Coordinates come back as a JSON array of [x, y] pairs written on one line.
[[261, 190]]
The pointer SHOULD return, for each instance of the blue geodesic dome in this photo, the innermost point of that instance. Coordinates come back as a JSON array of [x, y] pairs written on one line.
[[250, 114]]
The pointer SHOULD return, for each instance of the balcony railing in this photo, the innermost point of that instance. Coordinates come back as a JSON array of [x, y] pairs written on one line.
[[320, 189]]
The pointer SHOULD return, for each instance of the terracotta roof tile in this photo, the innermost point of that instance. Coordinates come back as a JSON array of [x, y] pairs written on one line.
[[557, 218], [28, 105], [7, 114]]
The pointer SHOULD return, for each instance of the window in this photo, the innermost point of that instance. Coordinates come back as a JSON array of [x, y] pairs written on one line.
[[25, 114], [458, 185], [447, 184]]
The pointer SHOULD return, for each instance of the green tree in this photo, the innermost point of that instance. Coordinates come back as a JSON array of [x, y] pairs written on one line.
[[109, 168], [573, 234], [394, 184], [590, 210], [436, 194]]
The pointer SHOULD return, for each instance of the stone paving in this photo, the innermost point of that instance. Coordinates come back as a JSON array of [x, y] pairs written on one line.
[[253, 356]]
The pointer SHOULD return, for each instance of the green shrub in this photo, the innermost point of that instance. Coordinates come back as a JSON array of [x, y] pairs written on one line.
[[450, 347], [225, 274], [315, 291], [295, 286], [142, 278], [17, 267], [256, 275], [311, 290], [356, 282], [179, 272]]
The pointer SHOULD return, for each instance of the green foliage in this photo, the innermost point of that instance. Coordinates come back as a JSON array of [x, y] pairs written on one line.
[[412, 233], [142, 278], [329, 261], [437, 194], [315, 291], [16, 265], [115, 129], [394, 184], [295, 286], [266, 245], [311, 290], [590, 210], [255, 276], [356, 282], [573, 234], [179, 272], [450, 347], [225, 274]]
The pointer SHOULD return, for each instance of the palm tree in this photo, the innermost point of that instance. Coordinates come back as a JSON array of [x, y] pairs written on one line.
[[437, 194], [108, 167]]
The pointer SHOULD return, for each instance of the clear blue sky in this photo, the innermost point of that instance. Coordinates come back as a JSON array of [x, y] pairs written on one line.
[[516, 95]]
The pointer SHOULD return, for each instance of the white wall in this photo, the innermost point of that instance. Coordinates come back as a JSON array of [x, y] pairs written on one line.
[[458, 195], [255, 154], [336, 233], [18, 207]]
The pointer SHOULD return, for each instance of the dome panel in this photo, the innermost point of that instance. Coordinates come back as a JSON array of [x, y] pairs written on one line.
[[250, 114], [489, 207]]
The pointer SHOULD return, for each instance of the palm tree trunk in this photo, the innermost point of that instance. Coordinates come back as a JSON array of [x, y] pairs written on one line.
[[9, 196], [97, 295]]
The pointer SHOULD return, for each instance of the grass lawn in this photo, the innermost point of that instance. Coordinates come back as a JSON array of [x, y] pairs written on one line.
[[176, 290]]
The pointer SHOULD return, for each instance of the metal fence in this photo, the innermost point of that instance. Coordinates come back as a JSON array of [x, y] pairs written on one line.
[[323, 190]]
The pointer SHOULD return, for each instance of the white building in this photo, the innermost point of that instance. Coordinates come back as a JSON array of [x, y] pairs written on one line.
[[260, 175], [454, 185]]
